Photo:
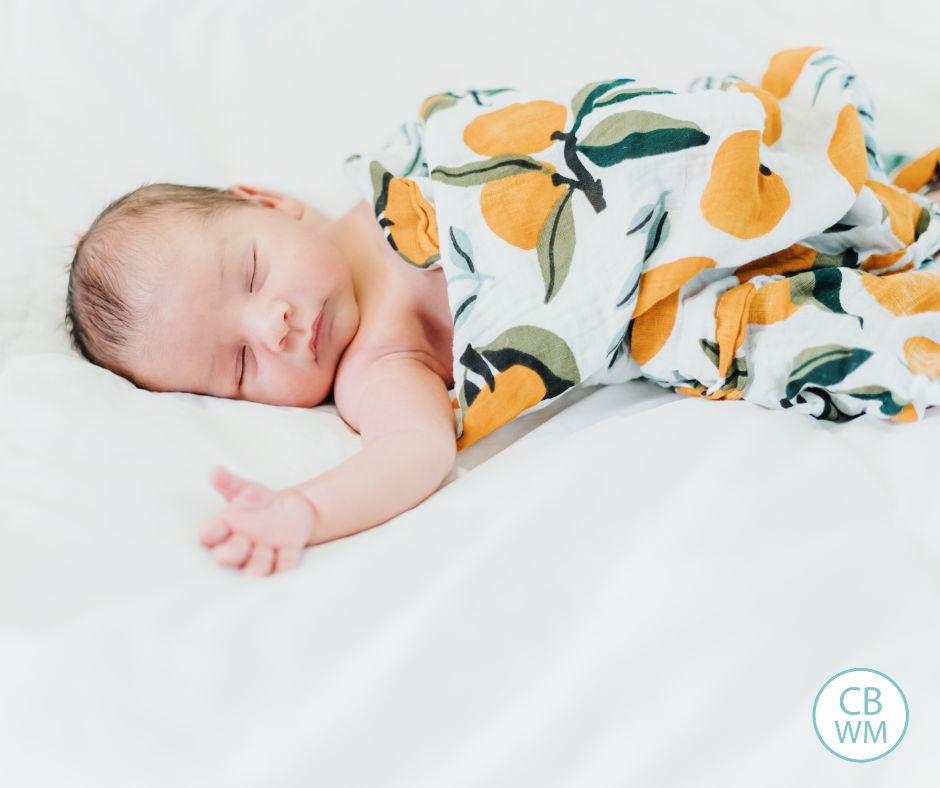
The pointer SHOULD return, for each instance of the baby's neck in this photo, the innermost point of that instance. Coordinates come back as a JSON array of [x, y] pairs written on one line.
[[357, 235]]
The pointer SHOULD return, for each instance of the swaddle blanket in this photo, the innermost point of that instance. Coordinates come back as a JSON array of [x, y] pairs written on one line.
[[734, 240]]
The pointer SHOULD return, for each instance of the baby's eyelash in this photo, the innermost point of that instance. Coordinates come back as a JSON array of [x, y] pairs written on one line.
[[254, 269]]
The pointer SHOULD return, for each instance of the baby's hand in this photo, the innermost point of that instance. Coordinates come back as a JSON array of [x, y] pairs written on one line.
[[261, 530]]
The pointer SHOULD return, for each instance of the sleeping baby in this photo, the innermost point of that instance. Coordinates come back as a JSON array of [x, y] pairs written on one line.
[[248, 294], [590, 234]]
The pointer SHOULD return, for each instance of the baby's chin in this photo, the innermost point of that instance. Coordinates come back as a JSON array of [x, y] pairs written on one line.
[[306, 397]]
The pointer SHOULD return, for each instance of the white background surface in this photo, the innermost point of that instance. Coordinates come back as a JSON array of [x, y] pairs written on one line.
[[642, 589]]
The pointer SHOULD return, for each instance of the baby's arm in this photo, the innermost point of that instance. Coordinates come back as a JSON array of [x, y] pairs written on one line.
[[408, 447]]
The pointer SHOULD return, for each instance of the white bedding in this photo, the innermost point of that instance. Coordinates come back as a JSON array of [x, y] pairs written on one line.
[[627, 588]]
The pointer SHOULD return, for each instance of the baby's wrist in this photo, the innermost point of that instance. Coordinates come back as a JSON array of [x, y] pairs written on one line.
[[313, 532]]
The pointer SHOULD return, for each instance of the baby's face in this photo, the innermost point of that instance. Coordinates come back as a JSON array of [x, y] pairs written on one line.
[[235, 307]]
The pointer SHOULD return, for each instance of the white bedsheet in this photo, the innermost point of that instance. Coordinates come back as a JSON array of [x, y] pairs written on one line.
[[627, 588]]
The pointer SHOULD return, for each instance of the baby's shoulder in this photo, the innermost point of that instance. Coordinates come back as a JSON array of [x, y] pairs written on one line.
[[383, 377], [391, 391]]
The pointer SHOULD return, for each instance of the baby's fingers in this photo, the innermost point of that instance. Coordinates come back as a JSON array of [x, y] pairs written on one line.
[[233, 552], [288, 558], [261, 561], [214, 531]]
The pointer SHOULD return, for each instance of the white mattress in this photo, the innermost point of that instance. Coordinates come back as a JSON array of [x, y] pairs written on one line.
[[627, 588]]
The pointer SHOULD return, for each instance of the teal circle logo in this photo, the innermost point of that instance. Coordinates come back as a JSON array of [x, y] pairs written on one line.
[[860, 715]]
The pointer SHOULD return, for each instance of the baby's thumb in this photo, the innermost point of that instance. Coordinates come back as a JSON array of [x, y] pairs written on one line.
[[226, 482]]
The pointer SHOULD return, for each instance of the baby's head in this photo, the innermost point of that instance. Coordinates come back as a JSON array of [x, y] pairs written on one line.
[[189, 288]]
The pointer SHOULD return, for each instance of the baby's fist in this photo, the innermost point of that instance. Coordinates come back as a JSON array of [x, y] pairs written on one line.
[[261, 530]]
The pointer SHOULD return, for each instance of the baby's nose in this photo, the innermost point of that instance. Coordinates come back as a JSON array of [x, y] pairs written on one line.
[[279, 326]]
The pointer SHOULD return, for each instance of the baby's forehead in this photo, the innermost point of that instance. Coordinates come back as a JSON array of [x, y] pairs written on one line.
[[186, 239], [193, 241], [179, 230], [176, 218]]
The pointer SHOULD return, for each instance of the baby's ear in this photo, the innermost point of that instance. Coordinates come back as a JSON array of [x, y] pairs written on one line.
[[280, 202]]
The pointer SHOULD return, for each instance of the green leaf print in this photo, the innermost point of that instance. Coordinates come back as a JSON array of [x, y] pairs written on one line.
[[461, 250], [656, 220], [412, 135], [737, 374], [830, 410], [550, 352], [636, 134], [595, 95], [436, 103], [643, 216], [658, 233], [730, 80], [922, 223], [848, 259], [710, 349], [820, 287], [583, 101], [818, 60], [889, 405], [871, 149], [540, 350], [380, 180], [838, 227], [475, 94], [480, 172], [736, 377], [463, 311], [625, 95], [461, 254], [894, 161], [819, 84], [824, 365], [473, 361], [617, 356], [556, 246], [616, 347], [628, 293]]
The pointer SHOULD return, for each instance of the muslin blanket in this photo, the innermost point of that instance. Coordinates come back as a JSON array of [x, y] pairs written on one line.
[[733, 240]]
